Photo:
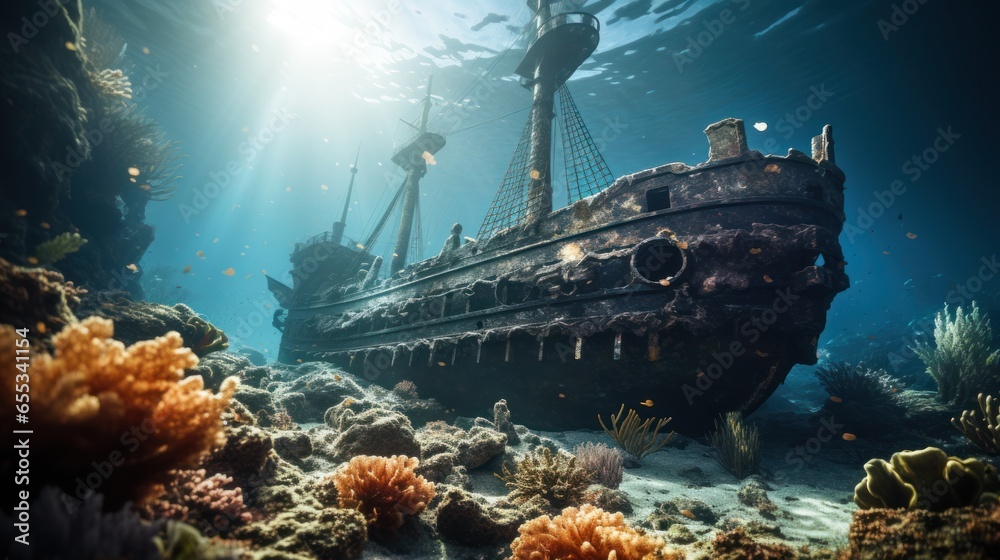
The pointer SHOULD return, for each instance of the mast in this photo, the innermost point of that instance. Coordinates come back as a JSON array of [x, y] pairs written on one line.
[[561, 44], [412, 158], [337, 232]]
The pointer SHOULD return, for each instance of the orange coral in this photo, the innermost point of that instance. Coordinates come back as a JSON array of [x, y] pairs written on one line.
[[112, 419], [384, 489], [587, 533]]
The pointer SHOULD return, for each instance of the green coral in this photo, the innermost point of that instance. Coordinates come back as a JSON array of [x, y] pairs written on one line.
[[737, 446], [982, 429], [554, 477], [926, 479], [58, 247], [634, 436], [961, 361]]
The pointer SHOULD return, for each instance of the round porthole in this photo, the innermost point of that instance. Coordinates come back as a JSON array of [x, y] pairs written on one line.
[[658, 262]]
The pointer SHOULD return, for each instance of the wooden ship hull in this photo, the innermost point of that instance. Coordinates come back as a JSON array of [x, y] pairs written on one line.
[[679, 291]]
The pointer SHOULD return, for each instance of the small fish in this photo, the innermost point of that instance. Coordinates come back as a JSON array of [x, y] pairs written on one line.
[[664, 282], [682, 245], [133, 267], [688, 513], [229, 271], [40, 327], [442, 364], [337, 377], [201, 254], [755, 251], [761, 354], [22, 212], [847, 436], [836, 399], [45, 225], [562, 395], [186, 269], [647, 402], [885, 252], [134, 171], [768, 279], [911, 235], [299, 360]]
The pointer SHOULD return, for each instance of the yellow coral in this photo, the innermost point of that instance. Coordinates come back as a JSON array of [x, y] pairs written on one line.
[[587, 533], [384, 489], [130, 410]]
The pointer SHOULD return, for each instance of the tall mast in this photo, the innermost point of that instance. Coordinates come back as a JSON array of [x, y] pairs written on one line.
[[412, 158], [337, 232], [561, 43]]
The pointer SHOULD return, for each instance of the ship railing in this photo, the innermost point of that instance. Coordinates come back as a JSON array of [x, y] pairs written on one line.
[[567, 18]]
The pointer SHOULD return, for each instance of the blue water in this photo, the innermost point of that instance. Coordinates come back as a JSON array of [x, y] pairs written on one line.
[[271, 100]]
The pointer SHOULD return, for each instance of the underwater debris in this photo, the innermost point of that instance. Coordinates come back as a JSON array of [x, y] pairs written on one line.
[[926, 479], [555, 477], [605, 465], [737, 446], [633, 436], [982, 428], [587, 533], [93, 389], [55, 249], [961, 361], [384, 489]]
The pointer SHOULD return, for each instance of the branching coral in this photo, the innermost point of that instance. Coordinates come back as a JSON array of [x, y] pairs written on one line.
[[737, 446], [961, 361], [58, 247], [202, 501], [983, 429], [554, 477], [857, 383], [100, 410], [587, 533], [633, 435], [384, 489], [926, 479], [605, 464]]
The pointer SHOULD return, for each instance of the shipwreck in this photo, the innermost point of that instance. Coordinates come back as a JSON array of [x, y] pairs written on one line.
[[681, 291]]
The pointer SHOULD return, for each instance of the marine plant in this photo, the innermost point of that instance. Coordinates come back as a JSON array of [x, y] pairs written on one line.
[[555, 477], [737, 446], [961, 361], [633, 434], [605, 464], [587, 533], [857, 383], [55, 249], [386, 490], [207, 337], [983, 427], [926, 479], [129, 411]]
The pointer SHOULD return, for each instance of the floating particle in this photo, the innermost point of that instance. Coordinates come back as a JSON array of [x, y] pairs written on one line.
[[534, 174], [761, 354], [755, 251], [186, 269], [288, 189], [442, 364], [871, 337], [700, 374], [45, 225], [849, 436], [22, 212], [216, 240], [885, 252], [32, 260], [771, 168], [40, 327], [245, 129], [299, 360], [145, 50], [768, 279], [229, 271], [133, 267], [263, 271], [132, 180], [911, 235], [254, 48], [248, 276], [134, 171], [324, 187], [562, 396], [70, 46], [836, 399], [201, 255], [647, 402], [760, 126]]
